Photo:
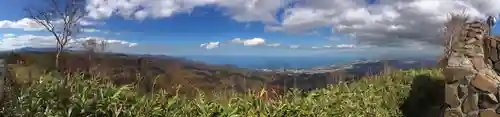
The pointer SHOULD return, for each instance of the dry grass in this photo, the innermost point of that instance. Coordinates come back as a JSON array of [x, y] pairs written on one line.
[[377, 96]]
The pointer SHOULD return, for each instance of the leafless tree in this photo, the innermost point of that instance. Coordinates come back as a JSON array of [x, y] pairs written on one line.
[[92, 47], [61, 18]]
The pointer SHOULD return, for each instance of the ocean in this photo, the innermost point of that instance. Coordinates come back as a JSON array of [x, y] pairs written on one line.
[[257, 62]]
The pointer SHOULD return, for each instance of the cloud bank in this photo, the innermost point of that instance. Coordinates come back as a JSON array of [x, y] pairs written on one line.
[[261, 42], [10, 42], [381, 23]]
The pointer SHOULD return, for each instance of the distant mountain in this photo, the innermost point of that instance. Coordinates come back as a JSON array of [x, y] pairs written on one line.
[[32, 49], [347, 72], [273, 62], [375, 67]]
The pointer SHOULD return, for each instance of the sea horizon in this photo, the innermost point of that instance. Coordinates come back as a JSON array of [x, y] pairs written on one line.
[[272, 62]]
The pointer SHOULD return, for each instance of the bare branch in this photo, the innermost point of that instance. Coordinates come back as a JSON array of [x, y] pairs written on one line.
[[69, 12]]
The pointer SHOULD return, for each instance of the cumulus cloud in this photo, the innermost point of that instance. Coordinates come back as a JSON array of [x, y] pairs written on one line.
[[15, 42], [28, 24], [249, 42], [210, 45], [346, 46], [240, 10], [90, 30], [6, 35], [239, 41], [111, 42], [25, 24], [274, 44], [260, 42], [294, 46], [385, 23], [339, 46]]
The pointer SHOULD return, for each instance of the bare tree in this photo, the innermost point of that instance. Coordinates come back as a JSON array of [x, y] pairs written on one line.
[[61, 18], [92, 48]]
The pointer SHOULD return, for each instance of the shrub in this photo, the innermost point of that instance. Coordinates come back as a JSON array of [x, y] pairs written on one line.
[[376, 96]]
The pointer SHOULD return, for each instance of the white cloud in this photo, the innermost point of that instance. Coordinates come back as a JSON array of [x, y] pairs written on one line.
[[274, 44], [90, 30], [84, 22], [249, 42], [21, 41], [110, 42], [294, 46], [28, 24], [346, 46], [273, 28], [386, 23], [240, 10], [25, 24], [210, 45], [7, 35]]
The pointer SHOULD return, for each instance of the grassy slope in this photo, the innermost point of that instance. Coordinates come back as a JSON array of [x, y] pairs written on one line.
[[378, 96], [125, 70]]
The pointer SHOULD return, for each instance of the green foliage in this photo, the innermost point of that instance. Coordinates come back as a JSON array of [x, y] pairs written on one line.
[[377, 96]]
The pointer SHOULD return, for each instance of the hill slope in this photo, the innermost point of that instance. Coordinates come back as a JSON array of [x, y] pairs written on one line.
[[412, 93]]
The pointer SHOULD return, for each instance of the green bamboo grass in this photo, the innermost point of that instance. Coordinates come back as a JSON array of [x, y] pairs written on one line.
[[376, 96]]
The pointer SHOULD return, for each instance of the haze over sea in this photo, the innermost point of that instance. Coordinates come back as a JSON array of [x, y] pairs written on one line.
[[273, 62]]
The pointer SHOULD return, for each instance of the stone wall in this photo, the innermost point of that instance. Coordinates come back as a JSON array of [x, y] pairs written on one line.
[[472, 85], [491, 50]]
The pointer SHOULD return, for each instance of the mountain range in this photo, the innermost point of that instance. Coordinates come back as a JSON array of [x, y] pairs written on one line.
[[210, 71]]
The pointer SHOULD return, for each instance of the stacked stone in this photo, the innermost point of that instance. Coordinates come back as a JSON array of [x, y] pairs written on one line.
[[491, 49], [472, 87]]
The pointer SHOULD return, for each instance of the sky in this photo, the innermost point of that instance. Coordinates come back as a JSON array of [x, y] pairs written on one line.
[[358, 28]]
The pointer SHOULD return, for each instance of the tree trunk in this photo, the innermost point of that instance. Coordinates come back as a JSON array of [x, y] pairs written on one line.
[[58, 54]]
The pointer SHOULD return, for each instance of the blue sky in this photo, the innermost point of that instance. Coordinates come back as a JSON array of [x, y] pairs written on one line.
[[263, 27]]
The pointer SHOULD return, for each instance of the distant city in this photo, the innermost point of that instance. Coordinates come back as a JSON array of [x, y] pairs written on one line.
[[321, 69]]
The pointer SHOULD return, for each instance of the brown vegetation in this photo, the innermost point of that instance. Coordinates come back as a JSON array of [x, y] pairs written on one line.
[[150, 72]]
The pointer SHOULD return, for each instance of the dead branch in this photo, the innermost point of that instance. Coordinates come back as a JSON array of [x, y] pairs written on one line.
[[60, 18]]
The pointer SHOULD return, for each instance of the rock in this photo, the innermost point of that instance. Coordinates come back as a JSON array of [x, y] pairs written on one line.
[[456, 61], [475, 25], [470, 103], [487, 100], [479, 50], [474, 30], [453, 113], [469, 46], [454, 74], [462, 91], [492, 98], [484, 83], [480, 36], [472, 86], [493, 54], [488, 113], [451, 96], [457, 45], [478, 62], [472, 34], [470, 41], [493, 43], [496, 66], [492, 74]]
